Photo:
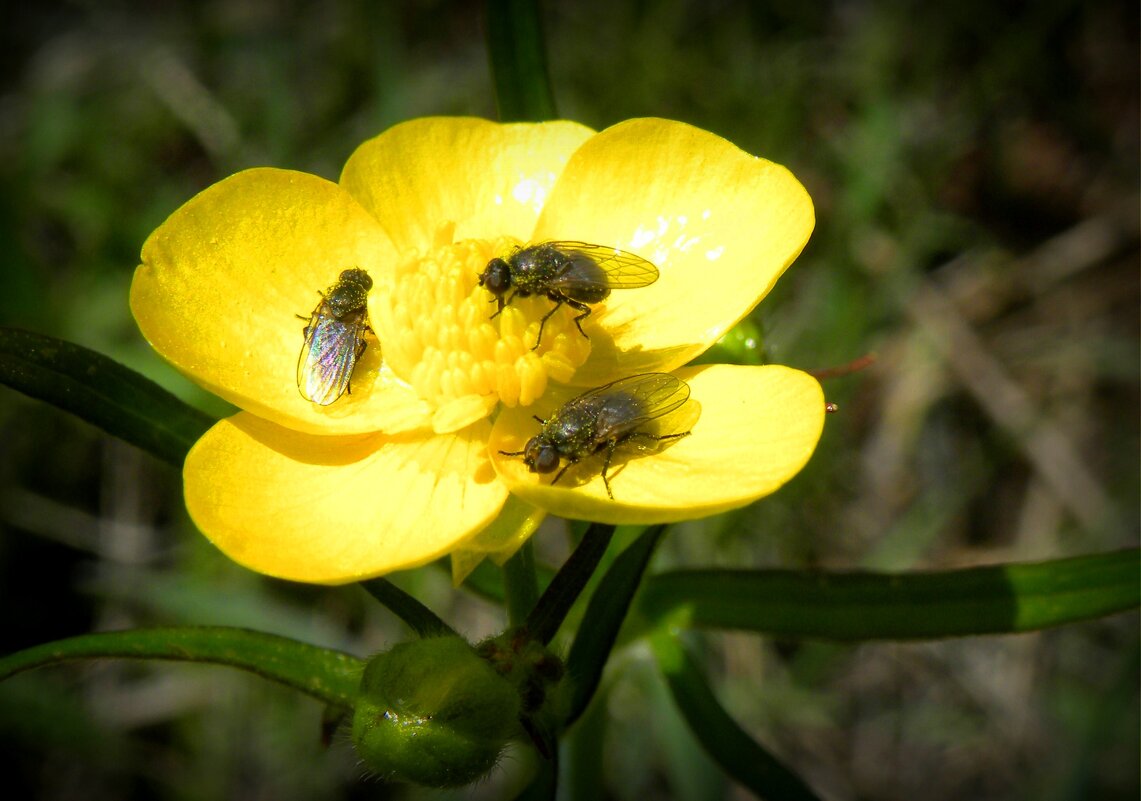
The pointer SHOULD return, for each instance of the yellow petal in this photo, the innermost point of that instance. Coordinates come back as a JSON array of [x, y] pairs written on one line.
[[721, 226], [330, 510], [489, 179], [516, 522], [757, 429], [224, 279]]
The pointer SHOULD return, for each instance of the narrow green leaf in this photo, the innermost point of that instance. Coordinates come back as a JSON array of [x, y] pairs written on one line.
[[603, 618], [330, 676], [519, 61], [419, 618], [867, 606], [545, 783], [742, 757], [102, 392], [552, 608], [520, 585]]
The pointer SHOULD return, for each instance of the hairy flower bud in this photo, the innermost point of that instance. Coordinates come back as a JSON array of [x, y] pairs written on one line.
[[434, 713]]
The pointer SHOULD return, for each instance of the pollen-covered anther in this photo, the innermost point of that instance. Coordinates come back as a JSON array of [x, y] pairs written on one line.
[[441, 334]]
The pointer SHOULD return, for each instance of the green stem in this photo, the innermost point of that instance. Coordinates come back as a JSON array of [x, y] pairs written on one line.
[[544, 784], [744, 759], [519, 61], [564, 589], [598, 630], [419, 618], [520, 585], [330, 676]]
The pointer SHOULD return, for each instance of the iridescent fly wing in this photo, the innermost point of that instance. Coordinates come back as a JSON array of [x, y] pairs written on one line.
[[328, 357], [623, 405], [600, 265]]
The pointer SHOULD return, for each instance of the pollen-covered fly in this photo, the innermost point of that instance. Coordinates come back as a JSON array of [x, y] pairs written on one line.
[[573, 273], [334, 339], [619, 414]]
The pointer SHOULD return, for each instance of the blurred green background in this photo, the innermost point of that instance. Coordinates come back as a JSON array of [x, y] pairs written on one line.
[[975, 172]]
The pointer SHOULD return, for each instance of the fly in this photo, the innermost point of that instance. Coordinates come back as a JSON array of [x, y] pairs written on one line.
[[334, 339], [572, 273], [603, 419]]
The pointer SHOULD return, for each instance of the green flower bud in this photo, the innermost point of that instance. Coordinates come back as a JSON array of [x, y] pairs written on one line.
[[433, 712]]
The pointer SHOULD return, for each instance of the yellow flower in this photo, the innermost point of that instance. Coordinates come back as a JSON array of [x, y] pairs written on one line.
[[406, 466]]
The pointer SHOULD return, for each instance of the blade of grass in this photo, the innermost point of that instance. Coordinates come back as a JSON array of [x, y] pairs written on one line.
[[741, 757], [419, 618], [556, 601], [520, 587], [102, 392], [519, 61], [867, 606], [599, 627], [330, 676]]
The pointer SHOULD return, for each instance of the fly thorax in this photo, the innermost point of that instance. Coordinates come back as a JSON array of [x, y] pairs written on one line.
[[572, 430], [439, 335], [348, 294]]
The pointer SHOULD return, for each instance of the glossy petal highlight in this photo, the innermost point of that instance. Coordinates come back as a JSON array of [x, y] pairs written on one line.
[[491, 180], [223, 282], [757, 429], [330, 510], [721, 226]]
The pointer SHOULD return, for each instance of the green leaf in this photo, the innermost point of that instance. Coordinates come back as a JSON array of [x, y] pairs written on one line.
[[603, 618], [519, 61], [867, 606], [520, 584], [744, 343], [742, 758], [556, 601], [419, 618], [102, 392], [330, 676], [545, 783]]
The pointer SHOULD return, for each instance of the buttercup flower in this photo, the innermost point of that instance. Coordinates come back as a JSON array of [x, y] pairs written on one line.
[[406, 466]]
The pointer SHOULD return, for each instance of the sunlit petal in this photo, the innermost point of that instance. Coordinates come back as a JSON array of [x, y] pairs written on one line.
[[224, 281], [329, 510], [757, 428], [721, 226], [491, 180]]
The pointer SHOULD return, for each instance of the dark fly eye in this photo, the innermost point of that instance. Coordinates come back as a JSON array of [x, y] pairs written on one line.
[[547, 460], [496, 277], [540, 456], [356, 276]]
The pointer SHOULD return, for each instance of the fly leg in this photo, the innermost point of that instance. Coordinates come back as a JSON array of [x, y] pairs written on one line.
[[502, 303], [566, 467], [542, 422], [643, 435], [582, 307], [655, 437], [559, 301], [360, 346], [610, 446]]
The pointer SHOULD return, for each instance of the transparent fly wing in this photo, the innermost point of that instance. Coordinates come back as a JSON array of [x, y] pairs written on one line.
[[601, 265], [327, 358], [627, 403]]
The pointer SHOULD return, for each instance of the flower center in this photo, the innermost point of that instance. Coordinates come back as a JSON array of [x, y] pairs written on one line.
[[437, 332]]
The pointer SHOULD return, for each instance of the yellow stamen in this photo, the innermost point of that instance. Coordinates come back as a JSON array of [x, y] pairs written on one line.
[[435, 325]]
